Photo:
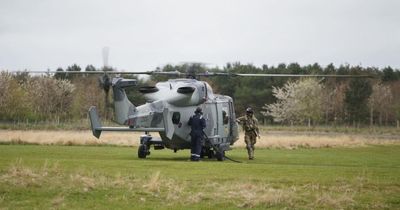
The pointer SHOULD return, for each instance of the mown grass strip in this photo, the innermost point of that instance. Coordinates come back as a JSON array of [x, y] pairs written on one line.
[[80, 177]]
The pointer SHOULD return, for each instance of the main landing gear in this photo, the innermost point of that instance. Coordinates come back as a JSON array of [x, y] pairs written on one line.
[[146, 141], [212, 153], [143, 151]]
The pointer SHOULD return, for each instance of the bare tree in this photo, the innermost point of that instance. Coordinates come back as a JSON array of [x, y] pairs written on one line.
[[87, 93], [395, 87], [13, 102], [380, 102], [333, 103]]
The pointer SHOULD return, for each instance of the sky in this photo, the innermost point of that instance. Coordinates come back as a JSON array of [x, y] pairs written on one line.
[[144, 34]]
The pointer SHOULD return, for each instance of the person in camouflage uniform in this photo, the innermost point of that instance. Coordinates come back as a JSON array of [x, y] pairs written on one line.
[[251, 131]]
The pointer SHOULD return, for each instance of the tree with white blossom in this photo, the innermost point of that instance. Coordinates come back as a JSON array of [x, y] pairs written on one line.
[[299, 101]]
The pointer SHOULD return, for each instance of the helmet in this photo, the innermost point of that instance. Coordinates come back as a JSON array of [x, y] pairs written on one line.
[[198, 110], [249, 110]]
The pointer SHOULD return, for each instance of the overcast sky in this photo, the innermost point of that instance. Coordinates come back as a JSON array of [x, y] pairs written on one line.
[[145, 34]]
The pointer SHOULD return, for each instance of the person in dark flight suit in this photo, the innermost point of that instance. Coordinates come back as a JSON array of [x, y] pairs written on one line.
[[197, 123]]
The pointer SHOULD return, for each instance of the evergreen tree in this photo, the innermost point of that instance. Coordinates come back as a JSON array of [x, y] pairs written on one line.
[[90, 68], [389, 74], [356, 100], [74, 67], [60, 74]]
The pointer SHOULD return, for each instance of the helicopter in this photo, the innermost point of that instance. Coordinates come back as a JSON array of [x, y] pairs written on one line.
[[169, 105]]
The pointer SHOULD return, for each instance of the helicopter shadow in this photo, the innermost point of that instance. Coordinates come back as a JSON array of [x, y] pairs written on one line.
[[174, 159], [180, 159]]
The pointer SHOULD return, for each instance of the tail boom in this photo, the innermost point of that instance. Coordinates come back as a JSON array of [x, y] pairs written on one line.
[[97, 128]]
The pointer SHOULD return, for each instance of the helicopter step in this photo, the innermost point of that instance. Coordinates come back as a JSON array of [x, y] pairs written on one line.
[[146, 141]]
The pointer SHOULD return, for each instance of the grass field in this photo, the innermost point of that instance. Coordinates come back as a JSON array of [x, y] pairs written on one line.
[[112, 177]]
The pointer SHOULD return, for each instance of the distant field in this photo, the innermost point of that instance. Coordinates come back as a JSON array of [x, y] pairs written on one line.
[[111, 177], [269, 139], [85, 124]]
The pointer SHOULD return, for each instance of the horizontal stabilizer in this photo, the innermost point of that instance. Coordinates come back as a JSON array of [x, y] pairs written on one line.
[[94, 122], [131, 129]]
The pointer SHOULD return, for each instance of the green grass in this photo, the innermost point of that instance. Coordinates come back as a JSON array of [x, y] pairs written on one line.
[[82, 177]]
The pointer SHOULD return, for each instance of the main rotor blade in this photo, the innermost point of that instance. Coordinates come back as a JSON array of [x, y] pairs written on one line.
[[299, 75], [81, 72], [206, 74], [278, 75], [172, 73]]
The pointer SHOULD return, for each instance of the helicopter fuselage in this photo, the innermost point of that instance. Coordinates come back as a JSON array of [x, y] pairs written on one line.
[[169, 106]]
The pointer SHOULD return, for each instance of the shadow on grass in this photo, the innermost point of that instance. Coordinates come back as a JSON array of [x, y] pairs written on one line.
[[187, 159], [180, 159]]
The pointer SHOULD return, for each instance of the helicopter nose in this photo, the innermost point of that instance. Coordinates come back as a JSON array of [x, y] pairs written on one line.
[[186, 90]]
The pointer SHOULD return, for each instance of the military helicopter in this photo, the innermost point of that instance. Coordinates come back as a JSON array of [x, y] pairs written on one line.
[[167, 111], [169, 105]]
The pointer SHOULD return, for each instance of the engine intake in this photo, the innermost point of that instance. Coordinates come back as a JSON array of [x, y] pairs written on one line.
[[186, 90], [124, 83], [148, 89]]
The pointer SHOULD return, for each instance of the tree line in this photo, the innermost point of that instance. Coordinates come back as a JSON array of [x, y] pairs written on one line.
[[329, 100], [276, 100]]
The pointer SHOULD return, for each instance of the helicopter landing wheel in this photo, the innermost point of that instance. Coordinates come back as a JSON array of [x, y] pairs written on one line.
[[220, 155], [210, 154], [143, 151]]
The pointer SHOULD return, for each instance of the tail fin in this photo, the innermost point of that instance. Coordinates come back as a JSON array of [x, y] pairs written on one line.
[[123, 107]]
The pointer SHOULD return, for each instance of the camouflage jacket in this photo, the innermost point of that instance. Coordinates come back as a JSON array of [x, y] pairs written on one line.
[[249, 124]]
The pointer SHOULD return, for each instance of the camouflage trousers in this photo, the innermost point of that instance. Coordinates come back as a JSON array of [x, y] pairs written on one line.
[[250, 139]]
